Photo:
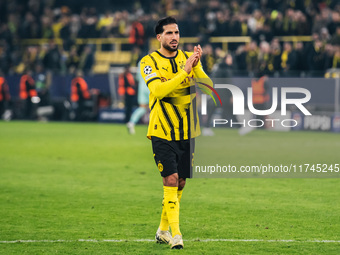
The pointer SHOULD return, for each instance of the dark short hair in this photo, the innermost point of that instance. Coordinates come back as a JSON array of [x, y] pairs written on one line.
[[163, 22]]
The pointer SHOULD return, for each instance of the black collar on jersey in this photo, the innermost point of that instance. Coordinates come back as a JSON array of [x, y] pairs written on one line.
[[165, 56]]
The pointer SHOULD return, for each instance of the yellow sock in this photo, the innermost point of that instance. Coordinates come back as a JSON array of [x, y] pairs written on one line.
[[171, 205], [179, 195], [164, 225]]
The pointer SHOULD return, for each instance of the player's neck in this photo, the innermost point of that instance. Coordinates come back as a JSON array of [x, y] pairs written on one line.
[[167, 53]]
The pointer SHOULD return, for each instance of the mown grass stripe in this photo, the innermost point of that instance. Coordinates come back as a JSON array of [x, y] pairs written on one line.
[[151, 240]]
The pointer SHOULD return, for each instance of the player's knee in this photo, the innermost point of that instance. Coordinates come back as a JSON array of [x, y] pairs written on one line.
[[171, 180], [181, 183]]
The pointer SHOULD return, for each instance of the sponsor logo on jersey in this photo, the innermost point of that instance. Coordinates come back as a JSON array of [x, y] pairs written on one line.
[[150, 76]]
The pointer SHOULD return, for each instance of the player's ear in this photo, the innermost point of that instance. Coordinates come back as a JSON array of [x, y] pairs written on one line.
[[158, 37]]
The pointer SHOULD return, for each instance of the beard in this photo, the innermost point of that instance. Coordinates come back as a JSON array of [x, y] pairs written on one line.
[[169, 48]]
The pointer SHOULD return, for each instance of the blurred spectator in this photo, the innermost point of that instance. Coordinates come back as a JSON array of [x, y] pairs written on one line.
[[256, 20], [30, 27], [4, 95], [252, 56], [42, 85], [72, 61], [28, 95], [335, 22], [143, 103], [222, 24], [127, 91], [336, 57], [86, 60], [89, 20], [276, 54], [208, 58], [65, 32], [289, 23], [5, 58], [336, 37], [288, 60], [316, 59], [74, 25], [303, 26], [52, 59], [320, 21], [301, 64], [329, 54], [79, 95], [5, 34], [324, 35], [220, 55], [137, 34], [105, 23], [225, 68], [263, 33], [13, 24], [189, 47], [276, 20], [265, 59], [30, 57], [46, 27], [135, 56], [239, 26], [240, 59]]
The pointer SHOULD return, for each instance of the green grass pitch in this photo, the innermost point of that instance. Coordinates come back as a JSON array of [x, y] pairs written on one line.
[[70, 181]]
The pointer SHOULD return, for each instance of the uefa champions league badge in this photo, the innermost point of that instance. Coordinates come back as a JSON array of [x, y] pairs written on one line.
[[147, 69]]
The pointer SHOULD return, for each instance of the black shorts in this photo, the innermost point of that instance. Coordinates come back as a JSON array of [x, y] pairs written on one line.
[[174, 156]]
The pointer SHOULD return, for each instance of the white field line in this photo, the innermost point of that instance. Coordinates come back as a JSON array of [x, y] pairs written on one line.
[[151, 240]]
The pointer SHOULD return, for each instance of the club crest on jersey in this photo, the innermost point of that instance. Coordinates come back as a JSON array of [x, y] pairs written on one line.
[[181, 64], [160, 166], [147, 69]]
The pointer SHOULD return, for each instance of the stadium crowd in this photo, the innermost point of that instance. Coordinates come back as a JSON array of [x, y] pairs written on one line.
[[262, 20]]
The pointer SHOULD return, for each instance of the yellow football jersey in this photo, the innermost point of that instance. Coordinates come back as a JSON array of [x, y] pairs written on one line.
[[172, 99]]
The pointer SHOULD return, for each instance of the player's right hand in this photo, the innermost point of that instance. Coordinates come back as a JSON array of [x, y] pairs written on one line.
[[197, 49], [190, 61]]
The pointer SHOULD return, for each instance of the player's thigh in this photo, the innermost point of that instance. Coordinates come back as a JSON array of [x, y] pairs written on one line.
[[165, 156]]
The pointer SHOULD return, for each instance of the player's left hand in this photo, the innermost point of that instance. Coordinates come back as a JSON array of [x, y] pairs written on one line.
[[197, 49]]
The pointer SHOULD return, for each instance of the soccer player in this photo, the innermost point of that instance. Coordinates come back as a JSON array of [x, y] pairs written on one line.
[[143, 100], [174, 122]]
